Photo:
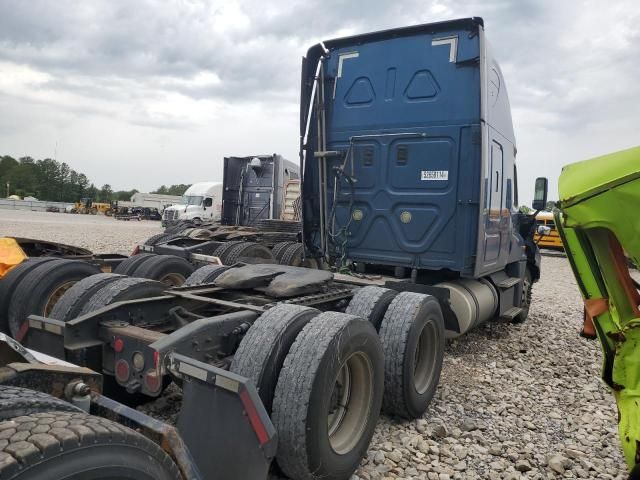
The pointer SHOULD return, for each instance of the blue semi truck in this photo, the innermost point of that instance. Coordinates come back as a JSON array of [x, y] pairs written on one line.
[[408, 160], [407, 169]]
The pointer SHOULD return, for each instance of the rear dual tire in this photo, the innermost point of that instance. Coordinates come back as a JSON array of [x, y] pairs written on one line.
[[412, 335], [411, 329], [206, 274], [263, 349], [97, 292], [320, 376], [10, 282], [72, 302], [328, 396], [42, 287], [167, 269], [170, 270], [231, 253]]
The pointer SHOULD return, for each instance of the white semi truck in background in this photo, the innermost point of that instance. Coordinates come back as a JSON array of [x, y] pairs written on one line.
[[201, 202]]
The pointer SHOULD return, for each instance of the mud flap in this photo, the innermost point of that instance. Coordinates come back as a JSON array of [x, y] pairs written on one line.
[[223, 422]]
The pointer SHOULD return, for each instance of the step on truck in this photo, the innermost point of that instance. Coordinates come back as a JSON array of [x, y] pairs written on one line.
[[407, 156]]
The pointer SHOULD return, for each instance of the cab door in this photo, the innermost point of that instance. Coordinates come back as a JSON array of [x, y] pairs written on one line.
[[494, 204], [207, 203]]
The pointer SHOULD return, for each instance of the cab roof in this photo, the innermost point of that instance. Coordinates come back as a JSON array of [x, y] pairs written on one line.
[[582, 180], [470, 23]]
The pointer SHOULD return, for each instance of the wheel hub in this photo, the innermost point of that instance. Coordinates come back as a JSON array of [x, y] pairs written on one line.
[[350, 403]]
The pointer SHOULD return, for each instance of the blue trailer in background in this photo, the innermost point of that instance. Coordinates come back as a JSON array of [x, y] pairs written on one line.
[[408, 156]]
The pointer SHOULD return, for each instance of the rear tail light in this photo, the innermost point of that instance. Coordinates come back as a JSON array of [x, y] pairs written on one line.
[[118, 345], [122, 371], [152, 381]]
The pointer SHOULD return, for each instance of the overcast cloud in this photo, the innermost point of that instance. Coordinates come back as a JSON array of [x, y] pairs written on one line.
[[142, 93]]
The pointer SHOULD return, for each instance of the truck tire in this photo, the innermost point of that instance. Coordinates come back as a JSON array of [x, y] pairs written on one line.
[[9, 283], [293, 256], [221, 251], [171, 270], [71, 303], [161, 238], [53, 445], [246, 252], [17, 401], [206, 274], [279, 249], [371, 303], [41, 288], [179, 227], [264, 347], [412, 335], [527, 288], [123, 289], [154, 238], [128, 265], [335, 358]]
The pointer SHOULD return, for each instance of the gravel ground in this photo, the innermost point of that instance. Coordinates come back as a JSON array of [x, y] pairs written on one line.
[[515, 401], [96, 232]]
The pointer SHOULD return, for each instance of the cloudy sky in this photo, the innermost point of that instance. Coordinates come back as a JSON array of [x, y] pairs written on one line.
[[142, 93]]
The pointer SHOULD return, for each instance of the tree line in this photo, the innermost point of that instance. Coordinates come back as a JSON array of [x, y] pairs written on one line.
[[55, 181]]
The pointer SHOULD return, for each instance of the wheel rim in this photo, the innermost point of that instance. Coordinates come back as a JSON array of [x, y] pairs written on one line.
[[425, 358], [350, 403], [55, 296], [173, 279]]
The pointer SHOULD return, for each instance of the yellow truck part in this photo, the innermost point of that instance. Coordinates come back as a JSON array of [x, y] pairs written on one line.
[[10, 255]]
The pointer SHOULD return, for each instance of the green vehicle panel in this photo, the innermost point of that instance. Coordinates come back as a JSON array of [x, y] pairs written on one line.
[[600, 228]]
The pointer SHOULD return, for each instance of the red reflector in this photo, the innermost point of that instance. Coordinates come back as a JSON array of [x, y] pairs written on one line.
[[23, 331], [254, 418], [156, 359], [122, 370], [118, 345], [135, 251], [152, 381]]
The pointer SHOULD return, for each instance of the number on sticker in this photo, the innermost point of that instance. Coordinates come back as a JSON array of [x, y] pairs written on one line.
[[441, 175]]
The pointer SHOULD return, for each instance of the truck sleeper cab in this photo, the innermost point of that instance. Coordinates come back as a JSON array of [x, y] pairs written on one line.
[[408, 160], [254, 188]]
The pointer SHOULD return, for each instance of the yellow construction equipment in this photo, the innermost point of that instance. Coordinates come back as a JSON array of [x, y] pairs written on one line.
[[88, 207], [10, 255]]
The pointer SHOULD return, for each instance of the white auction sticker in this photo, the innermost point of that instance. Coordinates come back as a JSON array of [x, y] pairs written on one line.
[[435, 174]]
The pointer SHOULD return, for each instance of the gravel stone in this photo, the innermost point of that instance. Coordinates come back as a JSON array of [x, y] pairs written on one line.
[[523, 466]]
